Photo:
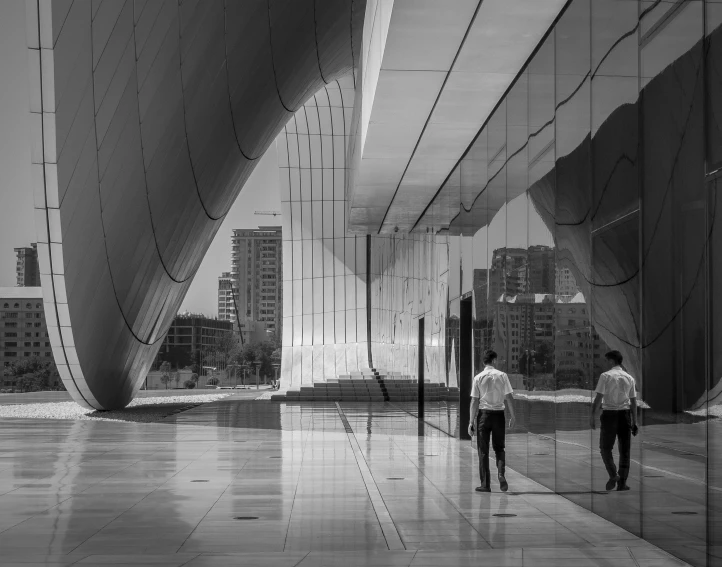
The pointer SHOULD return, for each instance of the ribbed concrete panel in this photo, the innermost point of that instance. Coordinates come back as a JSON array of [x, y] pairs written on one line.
[[147, 118], [324, 279]]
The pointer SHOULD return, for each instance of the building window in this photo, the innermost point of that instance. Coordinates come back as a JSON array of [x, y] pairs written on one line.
[[6, 306]]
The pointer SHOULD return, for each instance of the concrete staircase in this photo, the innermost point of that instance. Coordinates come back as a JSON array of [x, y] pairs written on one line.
[[370, 385]]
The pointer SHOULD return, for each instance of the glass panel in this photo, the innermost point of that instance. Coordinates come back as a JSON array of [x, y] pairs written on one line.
[[714, 444], [713, 20], [519, 304], [542, 188], [571, 255], [674, 287]]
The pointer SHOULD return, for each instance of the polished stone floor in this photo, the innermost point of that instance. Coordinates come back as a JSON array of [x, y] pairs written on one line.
[[238, 482]]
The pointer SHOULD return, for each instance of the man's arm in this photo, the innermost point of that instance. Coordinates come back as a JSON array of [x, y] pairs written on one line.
[[595, 407], [473, 410], [633, 411], [509, 398]]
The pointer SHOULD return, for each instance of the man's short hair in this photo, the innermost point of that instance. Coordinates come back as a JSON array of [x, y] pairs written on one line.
[[489, 357], [615, 356]]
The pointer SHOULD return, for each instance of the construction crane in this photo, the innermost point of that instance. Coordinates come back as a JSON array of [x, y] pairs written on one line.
[[271, 213]]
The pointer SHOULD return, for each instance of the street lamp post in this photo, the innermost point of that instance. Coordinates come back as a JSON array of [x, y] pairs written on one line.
[[276, 366], [257, 364]]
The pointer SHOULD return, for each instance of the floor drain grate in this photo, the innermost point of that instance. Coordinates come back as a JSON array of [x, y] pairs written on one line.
[[276, 457], [505, 515], [395, 478], [245, 518], [538, 454], [685, 513], [653, 476], [199, 481]]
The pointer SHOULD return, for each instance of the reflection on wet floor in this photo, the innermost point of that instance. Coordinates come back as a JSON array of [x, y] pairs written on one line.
[[667, 475], [282, 484]]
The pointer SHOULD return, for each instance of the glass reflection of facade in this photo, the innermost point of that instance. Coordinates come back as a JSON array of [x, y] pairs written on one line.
[[581, 219]]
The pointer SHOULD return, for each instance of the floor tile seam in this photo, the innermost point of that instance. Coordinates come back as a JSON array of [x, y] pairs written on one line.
[[302, 559], [448, 500], [295, 490], [356, 449], [634, 559], [212, 505]]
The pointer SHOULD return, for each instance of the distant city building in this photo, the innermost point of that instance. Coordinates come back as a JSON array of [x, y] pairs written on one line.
[[541, 270], [254, 332], [481, 293], [577, 346], [508, 272], [23, 327], [27, 269], [190, 339], [522, 270], [523, 322], [566, 284], [227, 297], [256, 265]]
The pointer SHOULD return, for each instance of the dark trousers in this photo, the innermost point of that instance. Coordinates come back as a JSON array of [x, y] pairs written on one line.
[[616, 425], [490, 424]]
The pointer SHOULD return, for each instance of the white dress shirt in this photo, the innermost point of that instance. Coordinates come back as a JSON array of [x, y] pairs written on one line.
[[617, 387], [490, 386]]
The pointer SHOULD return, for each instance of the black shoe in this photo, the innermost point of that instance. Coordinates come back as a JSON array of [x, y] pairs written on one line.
[[622, 485], [482, 489], [503, 484], [612, 482]]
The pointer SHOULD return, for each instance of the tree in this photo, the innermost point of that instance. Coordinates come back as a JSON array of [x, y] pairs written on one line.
[[276, 356], [248, 354], [34, 375], [544, 358], [194, 378], [165, 370]]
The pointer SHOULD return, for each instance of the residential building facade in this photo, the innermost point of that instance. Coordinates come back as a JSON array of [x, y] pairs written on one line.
[[27, 269], [191, 339], [256, 267], [24, 330]]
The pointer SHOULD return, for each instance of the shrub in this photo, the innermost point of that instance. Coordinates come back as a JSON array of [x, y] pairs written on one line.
[[189, 384]]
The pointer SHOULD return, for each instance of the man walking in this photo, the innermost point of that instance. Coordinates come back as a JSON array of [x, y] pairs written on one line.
[[616, 392], [489, 390]]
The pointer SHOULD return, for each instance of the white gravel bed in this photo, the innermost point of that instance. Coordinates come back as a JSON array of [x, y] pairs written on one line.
[[142, 410]]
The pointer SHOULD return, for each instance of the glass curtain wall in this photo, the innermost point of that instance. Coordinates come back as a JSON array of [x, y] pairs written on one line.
[[582, 219]]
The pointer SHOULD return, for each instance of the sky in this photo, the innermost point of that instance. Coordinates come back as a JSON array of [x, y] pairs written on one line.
[[16, 199]]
